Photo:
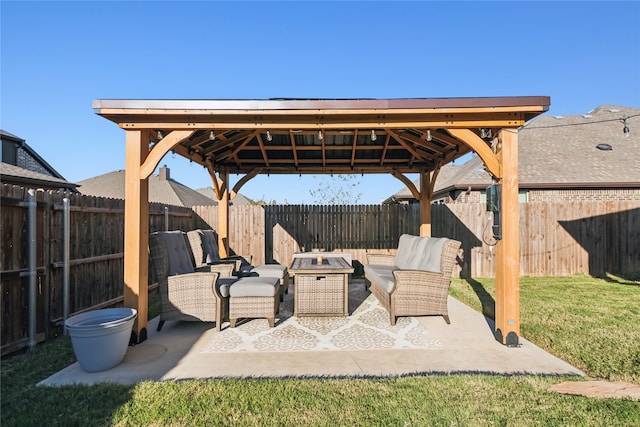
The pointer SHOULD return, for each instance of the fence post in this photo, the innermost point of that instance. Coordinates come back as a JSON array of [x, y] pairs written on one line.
[[32, 208], [65, 258], [166, 218]]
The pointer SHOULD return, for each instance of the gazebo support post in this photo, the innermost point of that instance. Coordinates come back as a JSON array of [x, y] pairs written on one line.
[[136, 232], [426, 192], [507, 249], [427, 181], [223, 215]]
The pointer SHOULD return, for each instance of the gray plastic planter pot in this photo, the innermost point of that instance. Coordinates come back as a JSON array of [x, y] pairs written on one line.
[[100, 338]]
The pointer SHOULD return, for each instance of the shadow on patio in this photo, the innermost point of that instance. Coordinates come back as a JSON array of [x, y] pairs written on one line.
[[183, 350]]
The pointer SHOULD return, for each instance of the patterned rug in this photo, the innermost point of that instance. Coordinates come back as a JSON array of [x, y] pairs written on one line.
[[366, 328]]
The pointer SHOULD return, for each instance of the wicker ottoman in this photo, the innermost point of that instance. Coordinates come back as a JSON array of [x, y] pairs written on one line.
[[254, 297], [272, 270]]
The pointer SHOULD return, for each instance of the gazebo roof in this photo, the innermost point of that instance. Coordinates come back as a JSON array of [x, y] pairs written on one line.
[[295, 136]]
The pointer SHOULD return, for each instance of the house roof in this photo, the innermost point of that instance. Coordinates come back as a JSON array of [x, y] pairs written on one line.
[[560, 152], [15, 175], [162, 189], [22, 145], [6, 135]]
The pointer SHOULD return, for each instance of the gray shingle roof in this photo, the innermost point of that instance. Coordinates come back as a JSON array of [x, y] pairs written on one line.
[[4, 133], [165, 191], [560, 152], [11, 174], [563, 150]]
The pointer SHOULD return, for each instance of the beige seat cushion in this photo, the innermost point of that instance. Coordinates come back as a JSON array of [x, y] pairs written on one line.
[[254, 287]]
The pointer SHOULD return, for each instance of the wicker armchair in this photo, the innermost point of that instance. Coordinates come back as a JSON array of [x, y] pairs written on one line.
[[204, 246], [408, 291], [187, 293]]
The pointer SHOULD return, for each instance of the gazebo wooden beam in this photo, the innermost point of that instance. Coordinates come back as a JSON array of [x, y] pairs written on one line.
[[406, 146], [386, 122], [406, 181], [478, 145], [160, 149], [217, 189], [427, 183], [294, 149], [223, 215], [244, 180]]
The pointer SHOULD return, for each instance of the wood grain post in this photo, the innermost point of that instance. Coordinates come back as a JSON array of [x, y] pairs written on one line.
[[136, 232], [426, 191], [223, 215], [508, 249]]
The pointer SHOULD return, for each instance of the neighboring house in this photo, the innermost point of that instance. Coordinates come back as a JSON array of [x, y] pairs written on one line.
[[162, 189], [581, 157], [22, 166]]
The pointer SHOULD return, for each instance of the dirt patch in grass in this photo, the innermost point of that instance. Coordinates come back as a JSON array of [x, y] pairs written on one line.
[[602, 389]]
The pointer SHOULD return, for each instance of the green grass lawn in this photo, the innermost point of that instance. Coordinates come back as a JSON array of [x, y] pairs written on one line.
[[590, 323], [593, 324]]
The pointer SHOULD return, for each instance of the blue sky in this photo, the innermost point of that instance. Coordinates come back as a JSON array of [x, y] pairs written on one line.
[[57, 57]]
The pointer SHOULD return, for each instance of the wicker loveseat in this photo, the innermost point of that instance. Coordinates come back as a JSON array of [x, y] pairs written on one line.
[[414, 282]]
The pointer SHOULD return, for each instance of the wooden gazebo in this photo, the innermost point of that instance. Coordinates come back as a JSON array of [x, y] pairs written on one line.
[[316, 136]]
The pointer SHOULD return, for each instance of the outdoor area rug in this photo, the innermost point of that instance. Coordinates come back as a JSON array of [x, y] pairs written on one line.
[[366, 328]]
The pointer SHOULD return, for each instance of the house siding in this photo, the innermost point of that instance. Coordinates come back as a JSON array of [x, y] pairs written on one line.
[[458, 196], [570, 195], [610, 195], [27, 161]]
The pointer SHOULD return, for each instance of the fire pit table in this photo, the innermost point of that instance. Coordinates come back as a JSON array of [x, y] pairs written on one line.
[[321, 286]]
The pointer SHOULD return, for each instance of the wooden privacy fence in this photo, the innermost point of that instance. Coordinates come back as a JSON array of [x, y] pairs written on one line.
[[96, 257], [555, 239], [273, 233]]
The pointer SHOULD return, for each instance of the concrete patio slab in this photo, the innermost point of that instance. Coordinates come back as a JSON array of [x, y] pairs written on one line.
[[468, 346]]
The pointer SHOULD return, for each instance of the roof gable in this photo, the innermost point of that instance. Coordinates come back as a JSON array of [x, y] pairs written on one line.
[[29, 155]]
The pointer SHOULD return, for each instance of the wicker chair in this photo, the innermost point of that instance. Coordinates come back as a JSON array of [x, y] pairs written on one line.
[[187, 293], [412, 292], [204, 246]]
